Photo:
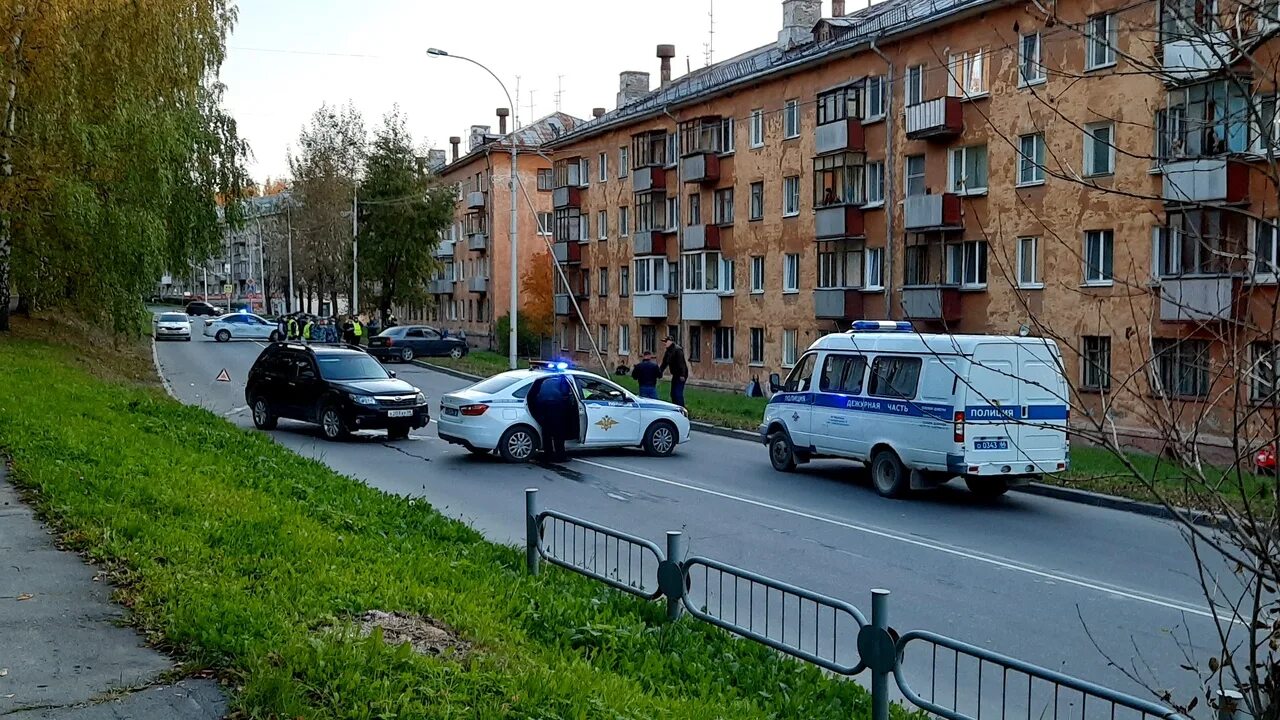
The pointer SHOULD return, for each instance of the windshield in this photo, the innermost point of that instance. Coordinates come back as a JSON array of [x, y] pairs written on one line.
[[495, 384], [350, 367], [173, 317]]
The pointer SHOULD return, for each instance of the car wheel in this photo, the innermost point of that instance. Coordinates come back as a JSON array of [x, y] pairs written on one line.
[[782, 454], [398, 432], [331, 423], [275, 336], [518, 444], [222, 335], [406, 355], [660, 439], [888, 475], [987, 488], [456, 352], [263, 419]]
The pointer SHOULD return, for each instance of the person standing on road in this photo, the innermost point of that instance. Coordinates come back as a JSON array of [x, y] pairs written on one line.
[[348, 331], [306, 331], [646, 374], [554, 407], [291, 331], [673, 358], [357, 329]]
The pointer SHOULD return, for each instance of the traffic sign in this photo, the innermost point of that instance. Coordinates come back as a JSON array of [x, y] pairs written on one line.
[[226, 289], [224, 376]]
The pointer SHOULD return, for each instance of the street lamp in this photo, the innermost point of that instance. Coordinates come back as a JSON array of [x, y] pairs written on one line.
[[514, 241]]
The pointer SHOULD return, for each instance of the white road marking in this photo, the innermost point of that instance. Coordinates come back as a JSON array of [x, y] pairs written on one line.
[[237, 411], [997, 562]]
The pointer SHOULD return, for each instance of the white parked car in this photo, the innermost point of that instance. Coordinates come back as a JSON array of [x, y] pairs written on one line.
[[171, 326], [240, 326], [494, 414]]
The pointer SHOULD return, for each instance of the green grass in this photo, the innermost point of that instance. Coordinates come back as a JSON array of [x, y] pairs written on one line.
[[241, 557]]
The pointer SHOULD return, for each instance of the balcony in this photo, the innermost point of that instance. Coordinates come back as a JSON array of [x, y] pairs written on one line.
[[931, 212], [702, 167], [931, 302], [567, 253], [478, 284], [701, 306], [1197, 56], [563, 306], [478, 241], [649, 305], [834, 222], [566, 197], [475, 200], [444, 249], [840, 136], [938, 118], [701, 237], [1206, 180], [648, 178], [837, 304], [440, 287], [1196, 299], [649, 242]]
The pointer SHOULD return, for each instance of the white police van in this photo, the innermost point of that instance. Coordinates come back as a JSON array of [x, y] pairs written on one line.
[[920, 409]]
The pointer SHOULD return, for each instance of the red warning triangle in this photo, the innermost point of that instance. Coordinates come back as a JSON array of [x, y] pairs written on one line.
[[224, 376]]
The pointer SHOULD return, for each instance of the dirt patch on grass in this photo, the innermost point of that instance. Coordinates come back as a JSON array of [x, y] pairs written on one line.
[[99, 352], [426, 635]]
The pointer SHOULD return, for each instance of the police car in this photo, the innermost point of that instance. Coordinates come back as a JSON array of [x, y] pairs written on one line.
[[920, 409], [494, 414]]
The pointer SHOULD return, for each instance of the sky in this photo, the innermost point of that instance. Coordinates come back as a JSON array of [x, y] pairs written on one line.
[[286, 57]]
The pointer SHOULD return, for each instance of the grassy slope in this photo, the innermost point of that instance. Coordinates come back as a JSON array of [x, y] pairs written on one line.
[[237, 554]]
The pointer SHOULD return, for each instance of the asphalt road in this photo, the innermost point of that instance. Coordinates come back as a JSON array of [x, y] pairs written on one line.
[[1025, 576]]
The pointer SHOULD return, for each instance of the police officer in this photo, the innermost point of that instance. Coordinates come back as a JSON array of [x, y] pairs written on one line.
[[306, 330], [553, 406], [646, 374], [357, 330], [674, 358], [292, 327]]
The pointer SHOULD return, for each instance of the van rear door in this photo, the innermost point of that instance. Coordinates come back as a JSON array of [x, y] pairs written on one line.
[[1042, 435], [992, 406]]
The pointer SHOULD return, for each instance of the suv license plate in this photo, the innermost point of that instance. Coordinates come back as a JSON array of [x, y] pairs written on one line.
[[990, 444], [399, 413], [450, 411]]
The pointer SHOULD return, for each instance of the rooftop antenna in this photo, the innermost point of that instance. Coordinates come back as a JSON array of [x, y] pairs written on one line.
[[559, 91], [710, 46], [531, 92], [516, 109]]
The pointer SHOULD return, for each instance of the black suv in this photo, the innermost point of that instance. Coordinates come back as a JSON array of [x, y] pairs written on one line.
[[340, 388], [200, 307]]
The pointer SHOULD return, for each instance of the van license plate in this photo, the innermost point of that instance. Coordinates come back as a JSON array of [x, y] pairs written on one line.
[[399, 413], [990, 444]]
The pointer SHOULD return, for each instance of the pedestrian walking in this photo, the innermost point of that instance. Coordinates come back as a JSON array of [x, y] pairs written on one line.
[[646, 374], [673, 359], [553, 406]]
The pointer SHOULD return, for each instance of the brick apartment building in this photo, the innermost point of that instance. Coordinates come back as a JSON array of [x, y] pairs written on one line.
[[1085, 170]]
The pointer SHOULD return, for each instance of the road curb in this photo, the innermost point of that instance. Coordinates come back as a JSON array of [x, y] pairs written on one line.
[[155, 362], [447, 371]]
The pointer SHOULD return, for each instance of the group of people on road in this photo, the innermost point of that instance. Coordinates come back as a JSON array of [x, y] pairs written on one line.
[[349, 329], [647, 373]]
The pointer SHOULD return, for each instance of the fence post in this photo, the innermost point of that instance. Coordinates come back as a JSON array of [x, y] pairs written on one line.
[[879, 677], [532, 560], [675, 556]]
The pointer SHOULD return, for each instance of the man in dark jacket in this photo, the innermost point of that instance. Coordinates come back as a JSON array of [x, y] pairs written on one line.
[[646, 372], [673, 358], [553, 405]]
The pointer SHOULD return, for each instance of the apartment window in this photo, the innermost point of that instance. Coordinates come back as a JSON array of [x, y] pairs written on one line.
[[695, 208], [967, 264], [838, 179], [624, 221], [789, 347], [1182, 368], [1095, 357], [651, 275], [1099, 149], [624, 162], [791, 273], [1262, 371], [915, 269], [872, 278], [1029, 262], [1100, 41], [544, 223], [791, 119], [875, 183], [1030, 69], [1031, 159], [967, 74], [723, 214], [757, 128], [1209, 118], [1199, 242], [1264, 130], [672, 217], [791, 196], [671, 149], [695, 344], [702, 272], [546, 179], [602, 338], [603, 161], [1098, 257], [840, 268], [915, 85], [585, 234], [624, 281], [967, 171], [726, 275], [582, 338], [757, 200], [724, 344], [875, 98], [585, 173], [648, 338], [838, 105], [651, 209], [757, 346], [757, 274], [624, 339], [727, 128], [1266, 249], [603, 285], [914, 178]]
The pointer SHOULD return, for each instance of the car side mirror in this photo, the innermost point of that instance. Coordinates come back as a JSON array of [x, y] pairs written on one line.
[[775, 382], [392, 373]]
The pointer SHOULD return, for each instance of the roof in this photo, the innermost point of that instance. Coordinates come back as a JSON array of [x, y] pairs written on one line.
[[832, 36], [911, 342], [528, 138]]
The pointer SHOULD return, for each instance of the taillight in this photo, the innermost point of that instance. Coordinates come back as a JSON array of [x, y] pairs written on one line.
[[390, 342], [959, 424], [473, 410]]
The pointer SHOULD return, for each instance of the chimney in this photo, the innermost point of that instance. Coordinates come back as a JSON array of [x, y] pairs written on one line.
[[632, 86], [455, 141], [798, 19], [597, 112], [665, 53], [837, 8], [502, 120]]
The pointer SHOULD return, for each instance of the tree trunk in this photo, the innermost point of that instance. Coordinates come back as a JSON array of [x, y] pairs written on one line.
[[6, 169], [24, 305]]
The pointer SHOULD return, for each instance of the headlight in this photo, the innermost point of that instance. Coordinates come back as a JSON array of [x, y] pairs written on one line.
[[364, 399], [421, 399], [684, 412]]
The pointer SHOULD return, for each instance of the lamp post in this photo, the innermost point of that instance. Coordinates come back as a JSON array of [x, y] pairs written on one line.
[[514, 240]]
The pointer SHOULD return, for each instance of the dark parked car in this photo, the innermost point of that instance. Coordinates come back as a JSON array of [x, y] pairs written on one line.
[[341, 389], [405, 342], [200, 307]]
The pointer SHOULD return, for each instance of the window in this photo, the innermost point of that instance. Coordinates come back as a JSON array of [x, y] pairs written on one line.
[[757, 274], [789, 349], [1095, 373], [702, 272], [757, 128], [1099, 149], [582, 338], [649, 149], [603, 161], [624, 338], [843, 374], [624, 281], [967, 172], [791, 119], [724, 344], [1209, 118], [624, 162], [544, 223], [1262, 371], [914, 180], [701, 136], [757, 200], [726, 275], [603, 285], [602, 338], [648, 338], [1266, 244], [727, 128], [723, 213], [1199, 242], [585, 173], [1100, 41], [1181, 368], [791, 196], [874, 98], [916, 265], [1264, 130], [695, 208], [624, 221], [651, 212], [602, 225], [875, 261], [757, 346], [1029, 262], [695, 343], [585, 233], [1098, 257], [895, 377], [967, 74], [791, 273], [651, 275], [546, 180], [1030, 69], [799, 379], [967, 264], [838, 105], [1031, 159], [840, 268], [915, 85], [875, 183], [673, 218], [838, 179], [567, 225]]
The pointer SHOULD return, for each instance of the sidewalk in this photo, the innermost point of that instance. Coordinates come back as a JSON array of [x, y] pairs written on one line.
[[63, 652]]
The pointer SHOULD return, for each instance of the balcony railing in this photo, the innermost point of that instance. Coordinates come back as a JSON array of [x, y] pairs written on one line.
[[931, 302], [833, 222], [1198, 298], [1206, 180], [701, 237], [649, 305], [931, 212], [567, 252], [700, 168], [566, 197], [649, 242], [940, 117], [440, 287], [837, 303], [444, 249], [648, 178], [563, 306], [701, 306], [478, 241], [475, 200], [1197, 56], [840, 136], [478, 284]]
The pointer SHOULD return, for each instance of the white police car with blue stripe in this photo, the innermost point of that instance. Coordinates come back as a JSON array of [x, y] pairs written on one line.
[[493, 415], [920, 409]]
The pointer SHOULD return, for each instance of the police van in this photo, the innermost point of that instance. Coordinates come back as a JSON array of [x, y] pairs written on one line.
[[920, 409]]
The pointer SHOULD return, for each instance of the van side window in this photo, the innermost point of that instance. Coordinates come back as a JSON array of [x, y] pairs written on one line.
[[800, 379], [895, 377], [843, 374]]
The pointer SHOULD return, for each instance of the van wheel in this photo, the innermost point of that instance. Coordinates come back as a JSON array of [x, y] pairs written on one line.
[[888, 475], [660, 439], [518, 444], [987, 488], [782, 454]]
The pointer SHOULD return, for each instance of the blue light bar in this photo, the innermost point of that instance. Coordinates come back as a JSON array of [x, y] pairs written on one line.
[[883, 326]]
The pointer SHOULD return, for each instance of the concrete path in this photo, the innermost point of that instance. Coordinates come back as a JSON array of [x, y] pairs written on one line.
[[64, 652]]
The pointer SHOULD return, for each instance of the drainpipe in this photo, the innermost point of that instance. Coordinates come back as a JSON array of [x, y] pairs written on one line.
[[679, 289], [890, 187]]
